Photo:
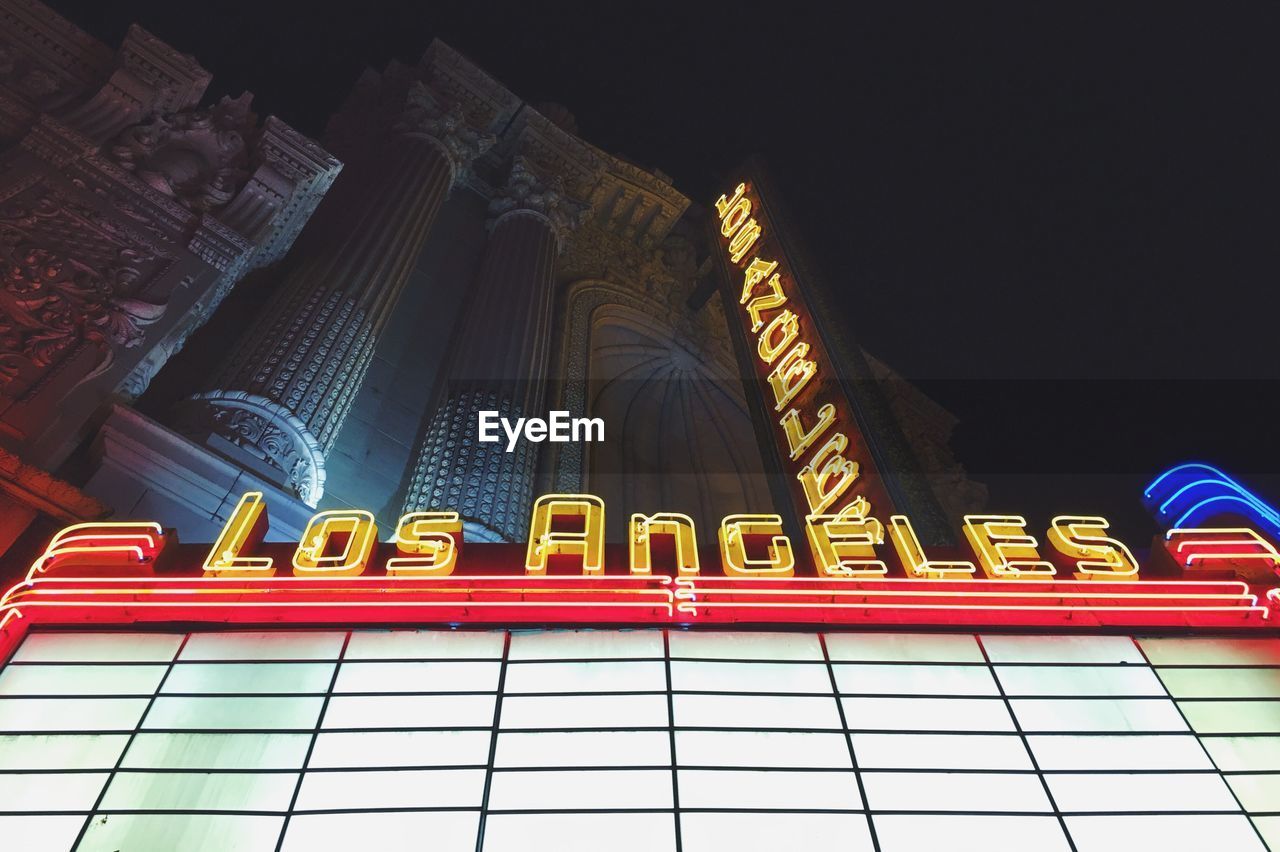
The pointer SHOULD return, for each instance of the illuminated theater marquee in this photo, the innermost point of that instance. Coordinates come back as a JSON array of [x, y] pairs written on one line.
[[339, 573]]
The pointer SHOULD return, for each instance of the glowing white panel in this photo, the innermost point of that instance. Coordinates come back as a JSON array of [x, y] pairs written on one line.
[[1212, 652], [273, 645], [940, 751], [753, 789], [906, 679], [188, 832], [1269, 828], [756, 711], [70, 714], [1156, 751], [1222, 683], [418, 677], [1233, 717], [265, 678], [745, 646], [584, 748], [954, 791], [904, 648], [80, 680], [40, 833], [409, 711], [580, 832], [217, 751], [1257, 792], [1097, 714], [927, 714], [61, 751], [189, 791], [762, 748], [916, 832], [585, 644], [751, 677], [405, 788], [1242, 754], [401, 748], [617, 676], [1062, 649], [424, 645], [1167, 833], [770, 832], [1146, 792], [580, 789], [62, 791], [449, 831], [585, 711], [1079, 680], [230, 713], [98, 648]]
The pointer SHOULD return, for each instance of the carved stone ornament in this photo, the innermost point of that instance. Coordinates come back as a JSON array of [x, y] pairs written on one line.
[[263, 429], [527, 191], [445, 123], [197, 157], [52, 304], [37, 84]]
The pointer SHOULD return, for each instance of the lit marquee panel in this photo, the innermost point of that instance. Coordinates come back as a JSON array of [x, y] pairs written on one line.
[[652, 739]]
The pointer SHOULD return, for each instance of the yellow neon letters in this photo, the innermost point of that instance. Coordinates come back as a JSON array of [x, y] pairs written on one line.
[[1003, 549], [914, 560], [427, 545], [827, 462], [843, 544], [587, 543], [680, 527], [1097, 556], [799, 440], [244, 529], [771, 345], [734, 529], [790, 375], [355, 525]]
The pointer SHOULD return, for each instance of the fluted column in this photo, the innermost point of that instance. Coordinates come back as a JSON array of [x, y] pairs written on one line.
[[499, 362], [282, 394]]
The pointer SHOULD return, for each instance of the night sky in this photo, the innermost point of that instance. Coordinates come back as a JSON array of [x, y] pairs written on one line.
[[1062, 223]]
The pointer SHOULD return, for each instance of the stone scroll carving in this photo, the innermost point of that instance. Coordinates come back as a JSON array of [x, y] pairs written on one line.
[[200, 158], [70, 279]]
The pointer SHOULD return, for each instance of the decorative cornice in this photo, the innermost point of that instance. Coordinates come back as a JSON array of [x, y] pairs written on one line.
[[44, 492], [443, 121], [262, 429], [529, 192]]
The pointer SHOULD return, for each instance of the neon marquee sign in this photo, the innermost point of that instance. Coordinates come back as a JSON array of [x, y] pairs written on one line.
[[851, 573], [831, 472]]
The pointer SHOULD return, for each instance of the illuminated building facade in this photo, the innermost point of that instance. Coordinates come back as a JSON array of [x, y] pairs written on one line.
[[266, 589]]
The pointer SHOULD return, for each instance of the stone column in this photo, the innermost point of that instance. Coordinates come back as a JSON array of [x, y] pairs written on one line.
[[281, 396], [499, 362]]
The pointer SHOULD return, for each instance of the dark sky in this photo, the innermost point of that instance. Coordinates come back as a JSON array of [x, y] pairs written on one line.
[[1060, 219]]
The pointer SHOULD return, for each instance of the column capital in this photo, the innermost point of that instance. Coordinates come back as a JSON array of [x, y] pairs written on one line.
[[431, 115], [531, 192]]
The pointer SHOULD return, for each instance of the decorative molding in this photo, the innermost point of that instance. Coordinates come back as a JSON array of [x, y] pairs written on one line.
[[40, 490], [200, 158], [261, 428], [430, 115], [528, 191], [69, 281]]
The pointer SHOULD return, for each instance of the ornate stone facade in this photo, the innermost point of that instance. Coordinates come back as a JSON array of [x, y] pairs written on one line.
[[303, 361], [475, 253], [127, 212]]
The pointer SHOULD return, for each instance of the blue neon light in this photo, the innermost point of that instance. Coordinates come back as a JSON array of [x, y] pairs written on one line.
[[1185, 496]]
